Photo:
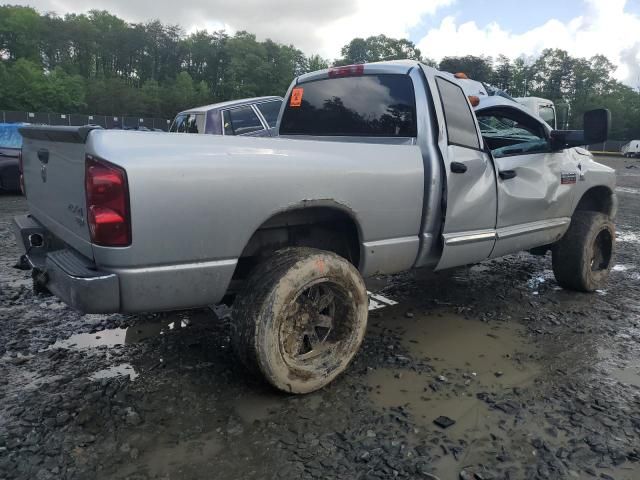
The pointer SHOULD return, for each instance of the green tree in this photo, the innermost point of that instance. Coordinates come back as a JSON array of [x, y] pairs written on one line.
[[476, 68], [376, 49], [502, 77], [99, 63], [20, 30]]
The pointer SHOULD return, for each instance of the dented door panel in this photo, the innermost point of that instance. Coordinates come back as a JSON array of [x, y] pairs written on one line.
[[534, 206]]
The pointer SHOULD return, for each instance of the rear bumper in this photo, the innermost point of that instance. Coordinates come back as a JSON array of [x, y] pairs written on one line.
[[77, 281], [67, 274]]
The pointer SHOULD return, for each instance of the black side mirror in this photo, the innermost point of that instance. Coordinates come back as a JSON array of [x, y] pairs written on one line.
[[597, 124]]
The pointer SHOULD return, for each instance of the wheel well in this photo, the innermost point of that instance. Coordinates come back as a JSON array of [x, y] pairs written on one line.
[[325, 228], [598, 199]]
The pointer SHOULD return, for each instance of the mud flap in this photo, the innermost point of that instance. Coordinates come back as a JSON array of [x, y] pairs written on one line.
[[23, 263]]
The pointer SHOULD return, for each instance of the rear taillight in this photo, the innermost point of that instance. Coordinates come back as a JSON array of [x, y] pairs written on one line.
[[346, 71], [21, 169], [107, 203]]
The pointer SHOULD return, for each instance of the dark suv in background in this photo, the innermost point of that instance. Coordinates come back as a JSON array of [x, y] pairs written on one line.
[[10, 151], [249, 116]]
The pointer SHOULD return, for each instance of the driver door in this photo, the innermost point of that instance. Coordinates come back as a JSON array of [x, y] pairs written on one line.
[[535, 184], [468, 234]]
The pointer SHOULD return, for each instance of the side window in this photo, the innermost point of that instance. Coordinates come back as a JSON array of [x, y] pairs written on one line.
[[188, 123], [241, 121], [197, 123], [461, 129], [178, 123], [512, 133], [270, 111]]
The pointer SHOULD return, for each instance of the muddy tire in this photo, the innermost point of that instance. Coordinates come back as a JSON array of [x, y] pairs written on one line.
[[583, 258], [300, 319]]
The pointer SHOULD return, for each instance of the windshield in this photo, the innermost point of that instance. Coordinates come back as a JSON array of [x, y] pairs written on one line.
[[10, 136], [369, 105]]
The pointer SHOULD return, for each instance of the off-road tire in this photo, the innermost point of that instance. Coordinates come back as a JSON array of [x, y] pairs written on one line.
[[262, 319], [583, 258]]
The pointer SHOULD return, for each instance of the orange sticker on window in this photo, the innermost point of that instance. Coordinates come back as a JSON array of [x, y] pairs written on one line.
[[296, 97]]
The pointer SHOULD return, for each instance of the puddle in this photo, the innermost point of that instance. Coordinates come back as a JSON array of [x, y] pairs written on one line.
[[258, 407], [630, 237], [470, 346], [621, 268], [109, 338], [190, 459], [410, 389], [121, 370], [469, 357], [627, 375], [134, 334], [631, 190]]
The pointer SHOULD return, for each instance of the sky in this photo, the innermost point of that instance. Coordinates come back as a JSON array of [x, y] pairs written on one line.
[[438, 27]]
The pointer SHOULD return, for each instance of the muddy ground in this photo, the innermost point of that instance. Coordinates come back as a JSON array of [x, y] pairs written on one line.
[[542, 383]]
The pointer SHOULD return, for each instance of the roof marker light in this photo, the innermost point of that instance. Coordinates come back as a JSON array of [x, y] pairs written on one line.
[[474, 100]]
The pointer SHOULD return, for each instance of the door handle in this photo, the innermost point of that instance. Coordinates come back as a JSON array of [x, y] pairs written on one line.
[[507, 174], [458, 167]]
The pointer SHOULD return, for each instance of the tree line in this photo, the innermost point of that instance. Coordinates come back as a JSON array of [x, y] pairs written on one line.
[[98, 63]]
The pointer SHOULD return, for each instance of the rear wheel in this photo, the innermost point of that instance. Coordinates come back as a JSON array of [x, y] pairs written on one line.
[[300, 319], [583, 258]]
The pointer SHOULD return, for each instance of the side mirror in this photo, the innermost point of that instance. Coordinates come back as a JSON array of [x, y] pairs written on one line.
[[597, 124]]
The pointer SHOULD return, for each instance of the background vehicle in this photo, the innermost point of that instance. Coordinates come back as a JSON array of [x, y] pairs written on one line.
[[250, 116], [10, 150], [378, 168], [631, 149], [542, 107]]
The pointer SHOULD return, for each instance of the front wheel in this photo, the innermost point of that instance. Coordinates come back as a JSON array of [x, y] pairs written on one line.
[[583, 258], [300, 319]]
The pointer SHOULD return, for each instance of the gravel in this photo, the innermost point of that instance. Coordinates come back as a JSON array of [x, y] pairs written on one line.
[[551, 389]]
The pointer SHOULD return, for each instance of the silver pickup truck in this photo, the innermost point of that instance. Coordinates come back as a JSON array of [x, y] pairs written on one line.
[[378, 168]]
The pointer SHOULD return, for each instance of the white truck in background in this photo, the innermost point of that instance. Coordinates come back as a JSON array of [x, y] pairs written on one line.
[[631, 149], [542, 107]]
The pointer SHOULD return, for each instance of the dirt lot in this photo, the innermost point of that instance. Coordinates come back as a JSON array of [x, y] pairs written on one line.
[[541, 383]]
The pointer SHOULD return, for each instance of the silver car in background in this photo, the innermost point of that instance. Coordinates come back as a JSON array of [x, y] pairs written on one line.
[[254, 117]]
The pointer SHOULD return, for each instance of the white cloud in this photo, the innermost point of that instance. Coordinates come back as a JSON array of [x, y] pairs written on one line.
[[373, 17], [314, 26], [604, 28]]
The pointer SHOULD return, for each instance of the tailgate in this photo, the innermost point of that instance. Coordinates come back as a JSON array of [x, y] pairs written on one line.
[[54, 166]]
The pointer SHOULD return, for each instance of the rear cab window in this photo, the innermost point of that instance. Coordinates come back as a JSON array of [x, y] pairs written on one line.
[[461, 126], [241, 121], [380, 105]]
